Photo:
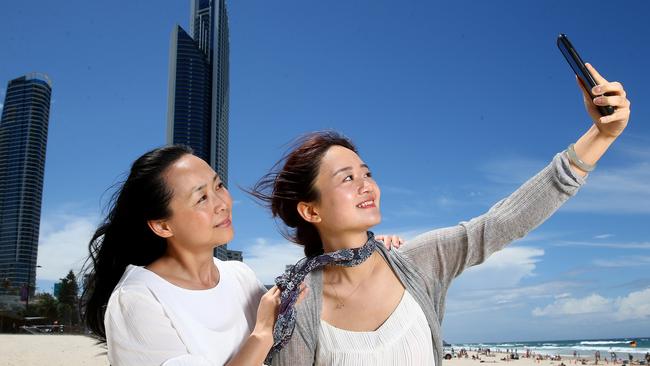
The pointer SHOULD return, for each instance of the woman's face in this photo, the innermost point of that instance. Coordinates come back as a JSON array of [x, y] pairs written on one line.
[[349, 196], [201, 207]]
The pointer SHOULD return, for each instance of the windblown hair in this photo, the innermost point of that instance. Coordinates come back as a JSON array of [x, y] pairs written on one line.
[[291, 181], [124, 237]]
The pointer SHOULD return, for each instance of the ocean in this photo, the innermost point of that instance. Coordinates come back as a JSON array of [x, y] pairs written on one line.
[[586, 348]]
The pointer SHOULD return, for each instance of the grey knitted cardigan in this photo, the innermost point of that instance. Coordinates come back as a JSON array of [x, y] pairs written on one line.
[[426, 264]]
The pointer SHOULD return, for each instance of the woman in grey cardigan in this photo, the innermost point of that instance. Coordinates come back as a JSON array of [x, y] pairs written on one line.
[[325, 194]]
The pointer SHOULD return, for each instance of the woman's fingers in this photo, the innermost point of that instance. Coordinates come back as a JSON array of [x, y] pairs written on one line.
[[599, 79], [615, 101], [613, 88], [390, 241], [273, 294], [619, 115]]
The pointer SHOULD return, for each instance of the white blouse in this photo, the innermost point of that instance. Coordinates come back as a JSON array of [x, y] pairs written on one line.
[[403, 339], [150, 321]]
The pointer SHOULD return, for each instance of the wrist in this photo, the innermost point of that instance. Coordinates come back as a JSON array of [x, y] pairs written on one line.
[[600, 135], [264, 336]]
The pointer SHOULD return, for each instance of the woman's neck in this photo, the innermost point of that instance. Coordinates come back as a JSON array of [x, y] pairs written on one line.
[[351, 275], [336, 241], [189, 267], [354, 274]]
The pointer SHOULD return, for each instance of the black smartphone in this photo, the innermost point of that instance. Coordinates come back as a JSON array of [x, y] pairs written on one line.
[[578, 66]]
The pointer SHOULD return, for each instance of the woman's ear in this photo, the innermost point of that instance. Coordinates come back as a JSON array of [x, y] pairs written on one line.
[[309, 212], [161, 228]]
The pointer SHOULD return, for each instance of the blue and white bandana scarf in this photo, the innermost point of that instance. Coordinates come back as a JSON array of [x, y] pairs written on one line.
[[289, 283]]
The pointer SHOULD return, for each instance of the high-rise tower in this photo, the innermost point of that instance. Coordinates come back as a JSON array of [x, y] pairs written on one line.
[[197, 112], [23, 141], [199, 85]]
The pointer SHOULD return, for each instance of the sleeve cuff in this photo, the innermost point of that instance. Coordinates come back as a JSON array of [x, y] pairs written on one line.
[[565, 173]]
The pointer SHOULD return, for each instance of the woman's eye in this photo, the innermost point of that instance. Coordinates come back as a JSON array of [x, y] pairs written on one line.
[[369, 174], [220, 185], [348, 178], [203, 198]]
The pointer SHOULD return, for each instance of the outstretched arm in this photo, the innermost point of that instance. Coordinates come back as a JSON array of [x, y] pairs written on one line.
[[445, 253]]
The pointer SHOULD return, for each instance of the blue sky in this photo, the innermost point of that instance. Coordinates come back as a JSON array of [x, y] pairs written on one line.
[[452, 104]]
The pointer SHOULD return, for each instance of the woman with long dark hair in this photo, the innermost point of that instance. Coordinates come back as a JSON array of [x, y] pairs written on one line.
[[367, 306], [155, 292]]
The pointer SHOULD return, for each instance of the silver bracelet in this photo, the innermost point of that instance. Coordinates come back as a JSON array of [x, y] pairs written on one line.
[[573, 157]]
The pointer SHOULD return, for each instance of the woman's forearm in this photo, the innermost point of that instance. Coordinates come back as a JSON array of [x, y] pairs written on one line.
[[254, 350], [590, 147]]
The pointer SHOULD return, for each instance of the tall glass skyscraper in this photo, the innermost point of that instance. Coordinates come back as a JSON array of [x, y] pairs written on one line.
[[199, 86], [23, 141]]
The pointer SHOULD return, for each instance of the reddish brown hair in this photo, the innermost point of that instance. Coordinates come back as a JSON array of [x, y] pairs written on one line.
[[291, 180]]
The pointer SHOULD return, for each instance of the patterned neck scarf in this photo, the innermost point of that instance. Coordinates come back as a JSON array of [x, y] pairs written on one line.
[[289, 284]]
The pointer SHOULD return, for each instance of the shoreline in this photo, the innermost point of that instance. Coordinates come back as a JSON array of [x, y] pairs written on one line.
[[82, 350], [563, 352], [474, 358]]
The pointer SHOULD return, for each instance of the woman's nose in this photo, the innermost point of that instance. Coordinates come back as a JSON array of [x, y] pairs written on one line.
[[220, 203], [366, 186]]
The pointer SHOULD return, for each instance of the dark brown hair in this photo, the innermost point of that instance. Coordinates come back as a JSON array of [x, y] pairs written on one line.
[[291, 181], [124, 237]]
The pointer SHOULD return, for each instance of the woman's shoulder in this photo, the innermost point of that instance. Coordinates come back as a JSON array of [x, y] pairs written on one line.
[[135, 278], [309, 306], [243, 274], [237, 266], [240, 269], [131, 293]]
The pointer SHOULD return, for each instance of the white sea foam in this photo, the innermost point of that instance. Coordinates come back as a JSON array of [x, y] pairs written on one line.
[[604, 342]]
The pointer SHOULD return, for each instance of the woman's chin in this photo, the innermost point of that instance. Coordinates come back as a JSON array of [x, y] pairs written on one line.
[[224, 238]]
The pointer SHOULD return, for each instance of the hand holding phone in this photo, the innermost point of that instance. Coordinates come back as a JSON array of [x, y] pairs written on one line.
[[578, 66]]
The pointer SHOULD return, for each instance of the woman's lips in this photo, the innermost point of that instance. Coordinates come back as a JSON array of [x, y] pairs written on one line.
[[367, 204], [225, 223]]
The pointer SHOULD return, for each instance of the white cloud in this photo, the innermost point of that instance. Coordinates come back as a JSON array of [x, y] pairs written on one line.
[[603, 236], [63, 244], [635, 305], [593, 303], [496, 284], [268, 259], [630, 245], [628, 261], [505, 268], [493, 299]]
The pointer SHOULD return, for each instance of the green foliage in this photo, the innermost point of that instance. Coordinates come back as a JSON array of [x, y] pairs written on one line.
[[46, 305], [69, 290], [68, 297], [63, 307]]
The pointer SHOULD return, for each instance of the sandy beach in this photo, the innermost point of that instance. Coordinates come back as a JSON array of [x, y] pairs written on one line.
[[77, 350], [498, 358], [52, 350]]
